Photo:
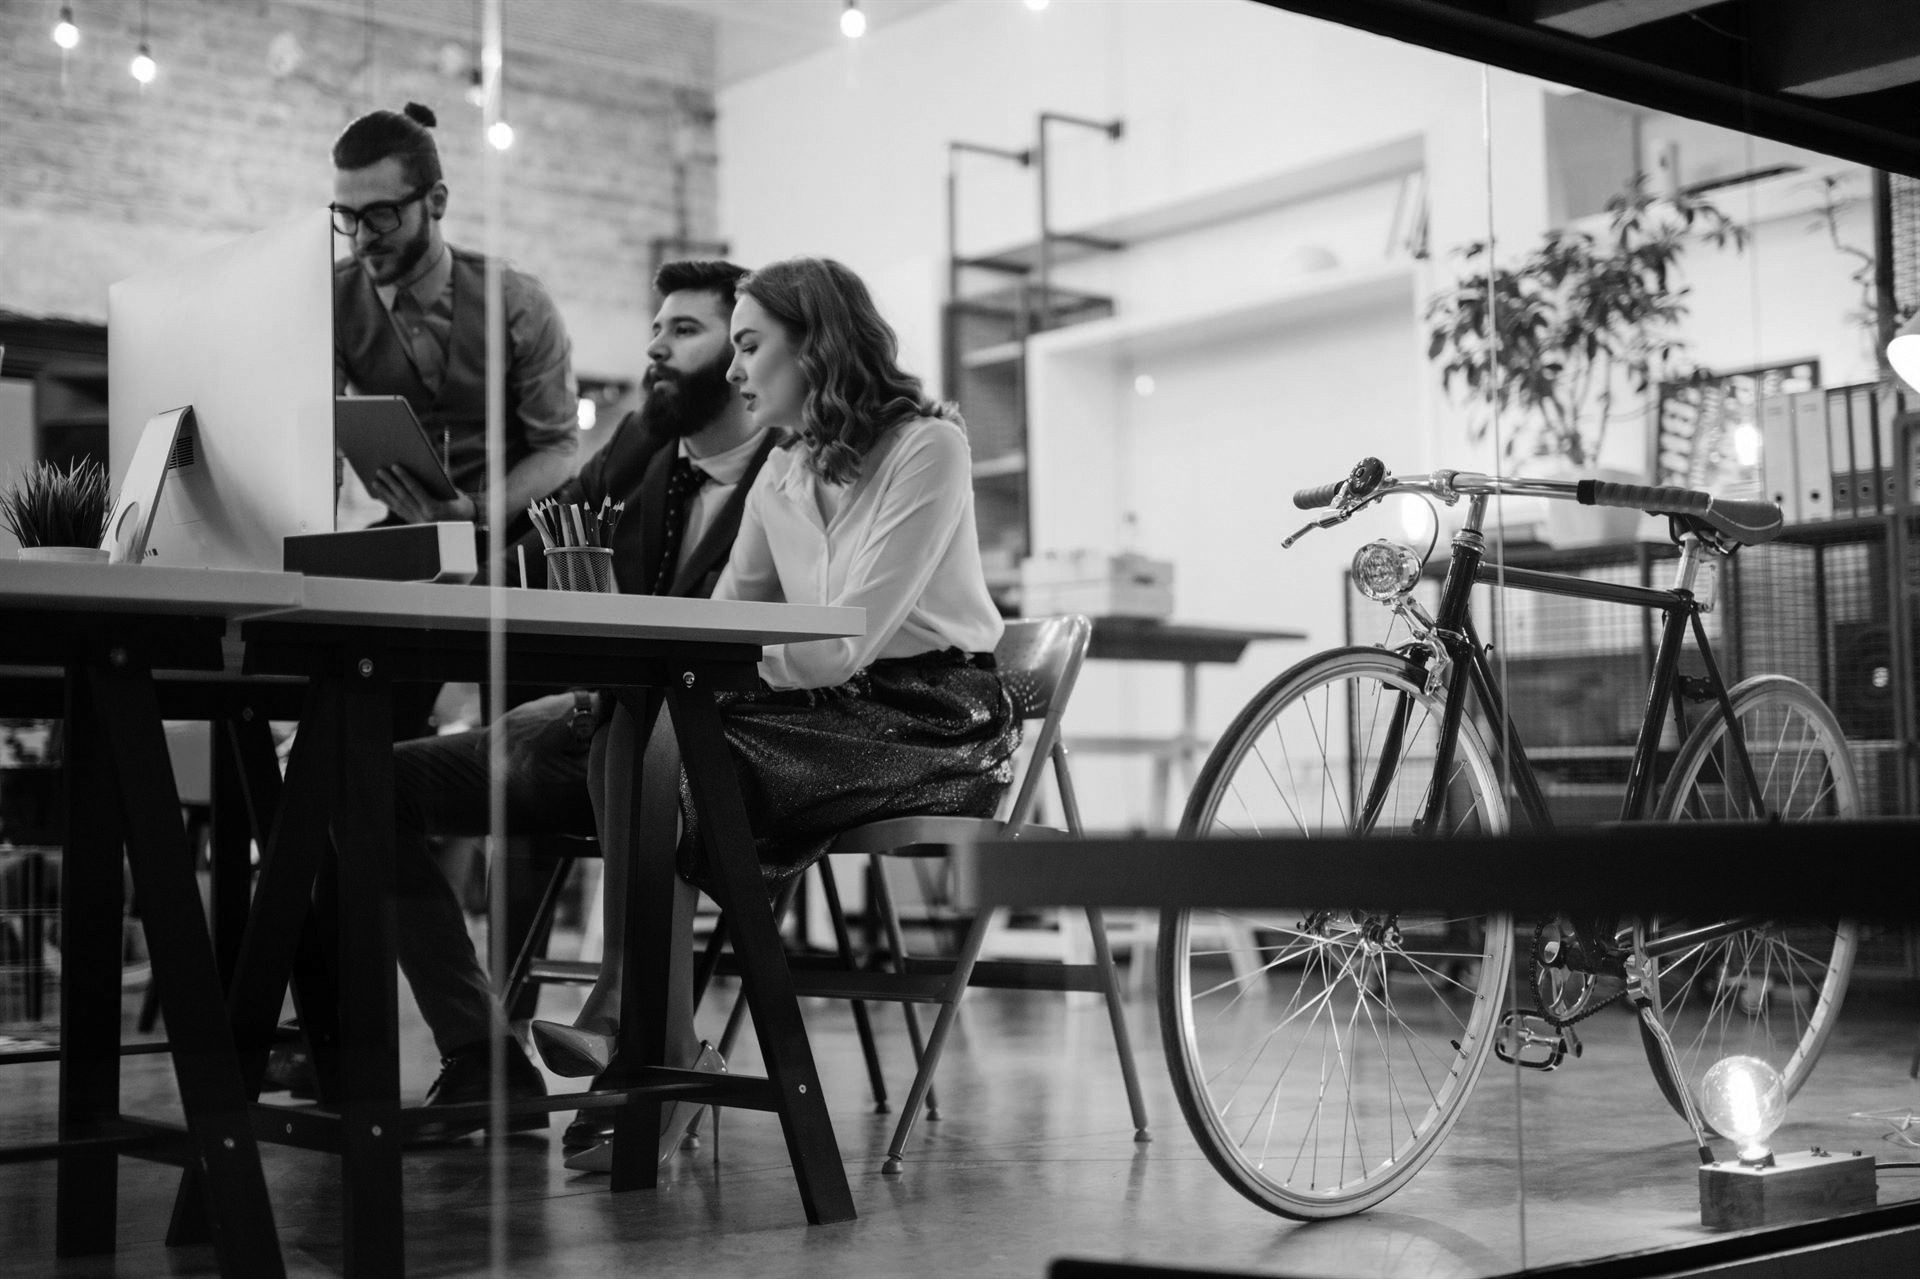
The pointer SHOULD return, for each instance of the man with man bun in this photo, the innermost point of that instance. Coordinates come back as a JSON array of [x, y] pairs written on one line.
[[409, 314]]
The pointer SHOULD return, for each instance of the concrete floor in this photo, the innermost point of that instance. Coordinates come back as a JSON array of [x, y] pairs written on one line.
[[1033, 1160]]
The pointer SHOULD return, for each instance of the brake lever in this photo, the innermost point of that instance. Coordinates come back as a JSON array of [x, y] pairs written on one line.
[[1325, 521]]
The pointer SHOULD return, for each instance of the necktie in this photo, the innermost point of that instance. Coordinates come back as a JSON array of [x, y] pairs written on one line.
[[682, 484], [428, 359]]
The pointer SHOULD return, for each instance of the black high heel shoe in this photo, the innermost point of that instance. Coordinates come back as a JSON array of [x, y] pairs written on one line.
[[573, 1052], [674, 1118]]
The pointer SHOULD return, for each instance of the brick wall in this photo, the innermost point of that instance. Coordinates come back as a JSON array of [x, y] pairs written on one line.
[[99, 178]]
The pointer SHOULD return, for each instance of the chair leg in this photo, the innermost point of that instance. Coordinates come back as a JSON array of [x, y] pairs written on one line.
[[534, 943], [942, 1027], [1110, 987], [897, 943], [862, 1024]]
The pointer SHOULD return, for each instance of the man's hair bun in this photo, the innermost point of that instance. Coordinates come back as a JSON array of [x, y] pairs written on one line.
[[421, 115]]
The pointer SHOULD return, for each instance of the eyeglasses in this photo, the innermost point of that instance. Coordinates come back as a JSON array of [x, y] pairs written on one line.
[[379, 218]]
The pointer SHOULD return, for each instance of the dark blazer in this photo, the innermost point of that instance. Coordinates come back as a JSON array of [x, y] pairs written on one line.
[[633, 468]]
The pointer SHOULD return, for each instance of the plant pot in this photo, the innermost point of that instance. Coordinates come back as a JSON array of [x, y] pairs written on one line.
[[66, 554]]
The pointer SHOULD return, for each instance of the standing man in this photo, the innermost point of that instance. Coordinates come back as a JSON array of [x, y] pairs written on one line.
[[409, 315], [683, 464]]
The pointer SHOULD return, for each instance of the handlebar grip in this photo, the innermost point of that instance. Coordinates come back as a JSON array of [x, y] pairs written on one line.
[[1314, 498], [1644, 497]]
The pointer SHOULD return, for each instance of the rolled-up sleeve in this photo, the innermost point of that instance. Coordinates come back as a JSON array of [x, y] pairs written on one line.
[[540, 367]]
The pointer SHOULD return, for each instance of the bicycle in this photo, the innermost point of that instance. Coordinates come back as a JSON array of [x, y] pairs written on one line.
[[1320, 1079]]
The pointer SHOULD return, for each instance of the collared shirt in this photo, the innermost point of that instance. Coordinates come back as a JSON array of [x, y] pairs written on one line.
[[541, 390], [901, 543], [723, 472], [426, 328]]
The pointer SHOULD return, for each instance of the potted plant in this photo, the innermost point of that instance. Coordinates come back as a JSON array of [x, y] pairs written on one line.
[[58, 513], [1578, 332]]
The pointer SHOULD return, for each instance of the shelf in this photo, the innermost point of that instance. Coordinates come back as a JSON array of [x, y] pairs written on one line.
[[1394, 158], [1308, 298], [1001, 355], [1003, 466]]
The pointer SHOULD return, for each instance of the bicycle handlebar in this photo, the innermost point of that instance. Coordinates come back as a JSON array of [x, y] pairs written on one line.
[[1744, 520], [1315, 498]]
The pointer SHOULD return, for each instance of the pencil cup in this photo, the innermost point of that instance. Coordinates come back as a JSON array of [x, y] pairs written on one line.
[[580, 568]]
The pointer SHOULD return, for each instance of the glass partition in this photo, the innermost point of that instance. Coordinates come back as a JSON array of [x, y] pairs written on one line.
[[1175, 263]]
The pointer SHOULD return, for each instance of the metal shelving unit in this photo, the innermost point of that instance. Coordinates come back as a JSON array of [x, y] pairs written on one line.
[[984, 340]]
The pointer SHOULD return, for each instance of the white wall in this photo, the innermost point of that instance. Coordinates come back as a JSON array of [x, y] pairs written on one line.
[[845, 153]]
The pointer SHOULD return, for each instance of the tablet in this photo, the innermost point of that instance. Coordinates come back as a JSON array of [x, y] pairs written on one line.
[[378, 431]]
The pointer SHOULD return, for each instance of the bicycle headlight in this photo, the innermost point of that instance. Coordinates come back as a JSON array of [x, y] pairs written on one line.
[[1385, 570]]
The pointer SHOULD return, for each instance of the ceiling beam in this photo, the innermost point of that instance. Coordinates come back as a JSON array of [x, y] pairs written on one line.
[[1876, 131], [1596, 18], [1818, 49]]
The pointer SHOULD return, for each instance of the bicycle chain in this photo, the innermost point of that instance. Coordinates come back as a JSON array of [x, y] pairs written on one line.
[[1533, 986]]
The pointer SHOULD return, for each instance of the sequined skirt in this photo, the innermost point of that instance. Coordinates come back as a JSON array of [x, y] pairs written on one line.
[[934, 733]]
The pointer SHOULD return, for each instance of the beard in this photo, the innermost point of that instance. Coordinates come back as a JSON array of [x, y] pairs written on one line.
[[396, 262], [682, 404]]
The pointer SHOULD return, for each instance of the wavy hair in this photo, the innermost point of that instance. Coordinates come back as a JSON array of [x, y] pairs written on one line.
[[848, 354]]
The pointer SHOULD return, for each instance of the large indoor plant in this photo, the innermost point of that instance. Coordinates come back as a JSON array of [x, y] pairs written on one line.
[[1579, 331]]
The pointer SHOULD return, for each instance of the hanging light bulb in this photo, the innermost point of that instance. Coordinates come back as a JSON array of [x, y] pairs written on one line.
[[853, 23], [65, 34], [477, 89], [500, 135], [1745, 1099], [1036, 5], [143, 68]]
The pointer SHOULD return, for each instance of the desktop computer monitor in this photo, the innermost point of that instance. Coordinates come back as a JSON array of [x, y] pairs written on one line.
[[243, 334]]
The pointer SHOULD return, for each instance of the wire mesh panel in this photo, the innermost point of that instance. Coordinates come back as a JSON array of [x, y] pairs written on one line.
[[1903, 223], [30, 835]]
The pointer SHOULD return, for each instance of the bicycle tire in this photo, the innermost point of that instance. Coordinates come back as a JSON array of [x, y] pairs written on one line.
[[1784, 722], [1437, 985]]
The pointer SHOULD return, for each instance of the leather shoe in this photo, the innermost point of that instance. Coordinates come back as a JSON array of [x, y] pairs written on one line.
[[290, 1069], [572, 1052], [674, 1118], [466, 1079]]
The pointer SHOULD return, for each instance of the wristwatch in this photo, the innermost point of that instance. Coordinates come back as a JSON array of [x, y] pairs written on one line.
[[580, 720]]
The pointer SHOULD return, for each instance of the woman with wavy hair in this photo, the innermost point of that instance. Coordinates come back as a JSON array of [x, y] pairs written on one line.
[[870, 505]]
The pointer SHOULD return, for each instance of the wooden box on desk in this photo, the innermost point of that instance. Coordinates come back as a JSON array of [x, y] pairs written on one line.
[[1802, 1186]]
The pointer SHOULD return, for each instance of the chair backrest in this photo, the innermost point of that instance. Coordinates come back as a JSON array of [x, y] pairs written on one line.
[[1039, 660]]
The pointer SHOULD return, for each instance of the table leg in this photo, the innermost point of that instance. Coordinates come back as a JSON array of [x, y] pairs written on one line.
[[246, 791], [374, 1232], [728, 842], [655, 934], [91, 902], [295, 816], [206, 1066]]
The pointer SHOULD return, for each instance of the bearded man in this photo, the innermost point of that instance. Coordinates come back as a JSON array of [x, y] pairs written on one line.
[[682, 463]]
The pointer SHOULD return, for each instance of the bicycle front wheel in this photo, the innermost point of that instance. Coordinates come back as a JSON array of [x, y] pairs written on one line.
[[1321, 1055], [1771, 991]]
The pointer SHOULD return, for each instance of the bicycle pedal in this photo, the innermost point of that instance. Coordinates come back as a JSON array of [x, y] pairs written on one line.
[[1531, 1042]]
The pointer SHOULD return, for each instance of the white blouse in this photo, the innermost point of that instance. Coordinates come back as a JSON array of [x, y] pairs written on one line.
[[901, 543]]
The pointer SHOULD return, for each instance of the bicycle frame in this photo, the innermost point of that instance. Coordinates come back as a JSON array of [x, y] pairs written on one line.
[[1462, 650]]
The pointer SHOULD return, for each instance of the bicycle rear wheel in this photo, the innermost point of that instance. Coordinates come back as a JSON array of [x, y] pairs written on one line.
[[1771, 991], [1321, 1055]]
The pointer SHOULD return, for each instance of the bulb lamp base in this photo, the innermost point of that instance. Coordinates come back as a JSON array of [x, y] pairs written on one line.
[[1801, 1185]]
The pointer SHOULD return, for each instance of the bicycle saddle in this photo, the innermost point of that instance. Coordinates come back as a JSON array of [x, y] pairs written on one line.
[[1743, 520]]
